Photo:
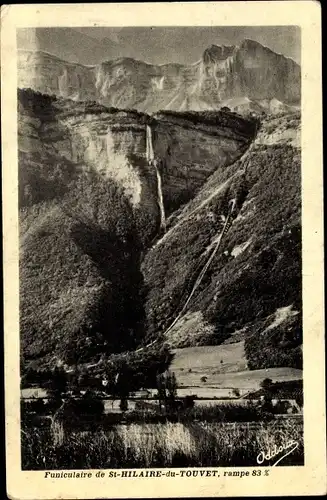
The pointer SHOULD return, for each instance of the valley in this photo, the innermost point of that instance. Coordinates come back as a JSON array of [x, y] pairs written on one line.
[[160, 259]]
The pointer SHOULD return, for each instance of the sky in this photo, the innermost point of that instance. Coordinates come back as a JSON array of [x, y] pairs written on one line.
[[154, 45], [186, 44]]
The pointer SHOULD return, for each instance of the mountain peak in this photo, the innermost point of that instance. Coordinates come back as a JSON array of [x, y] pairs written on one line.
[[253, 46], [217, 53], [249, 43], [225, 72]]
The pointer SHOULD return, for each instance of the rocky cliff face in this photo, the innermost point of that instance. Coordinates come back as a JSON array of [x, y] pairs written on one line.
[[187, 149], [45, 73], [248, 71], [190, 152], [95, 187]]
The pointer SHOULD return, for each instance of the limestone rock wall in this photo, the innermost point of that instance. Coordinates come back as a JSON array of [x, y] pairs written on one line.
[[249, 70]]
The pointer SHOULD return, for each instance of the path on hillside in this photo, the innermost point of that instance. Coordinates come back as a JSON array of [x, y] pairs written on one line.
[[199, 279], [227, 225], [197, 209]]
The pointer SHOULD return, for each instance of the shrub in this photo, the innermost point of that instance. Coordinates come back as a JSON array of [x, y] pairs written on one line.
[[266, 384]]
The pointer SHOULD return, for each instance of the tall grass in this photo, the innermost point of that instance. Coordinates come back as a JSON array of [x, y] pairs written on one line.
[[160, 445]]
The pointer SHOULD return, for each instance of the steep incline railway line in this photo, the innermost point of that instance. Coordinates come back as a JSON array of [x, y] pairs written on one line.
[[232, 213]]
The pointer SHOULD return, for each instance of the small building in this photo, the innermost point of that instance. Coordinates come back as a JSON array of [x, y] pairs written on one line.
[[33, 393]]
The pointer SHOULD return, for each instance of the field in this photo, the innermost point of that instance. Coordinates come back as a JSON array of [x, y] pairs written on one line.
[[224, 367], [221, 358], [166, 444]]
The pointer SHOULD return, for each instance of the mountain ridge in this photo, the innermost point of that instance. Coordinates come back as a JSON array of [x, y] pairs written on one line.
[[223, 73]]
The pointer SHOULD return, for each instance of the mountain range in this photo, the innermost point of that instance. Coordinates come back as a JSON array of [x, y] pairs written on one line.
[[246, 77]]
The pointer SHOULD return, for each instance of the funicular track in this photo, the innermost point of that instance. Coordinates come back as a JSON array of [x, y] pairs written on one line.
[[232, 213]]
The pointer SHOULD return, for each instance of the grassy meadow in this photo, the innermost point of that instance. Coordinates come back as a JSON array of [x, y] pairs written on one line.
[[224, 367], [191, 444]]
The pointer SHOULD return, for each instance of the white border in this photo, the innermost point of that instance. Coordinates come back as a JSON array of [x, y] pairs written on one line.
[[310, 479]]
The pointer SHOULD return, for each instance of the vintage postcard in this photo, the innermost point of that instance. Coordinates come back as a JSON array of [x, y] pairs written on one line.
[[163, 250]]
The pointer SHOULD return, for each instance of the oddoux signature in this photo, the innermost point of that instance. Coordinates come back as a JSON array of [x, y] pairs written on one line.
[[288, 447]]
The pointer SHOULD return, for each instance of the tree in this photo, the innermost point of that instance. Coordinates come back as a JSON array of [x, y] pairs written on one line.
[[299, 398], [204, 379], [171, 385], [161, 390], [74, 381], [167, 389], [123, 385], [266, 384], [83, 380], [57, 384], [123, 404], [236, 392], [90, 404], [189, 402]]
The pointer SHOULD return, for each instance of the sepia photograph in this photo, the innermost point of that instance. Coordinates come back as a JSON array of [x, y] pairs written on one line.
[[160, 246], [163, 250]]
